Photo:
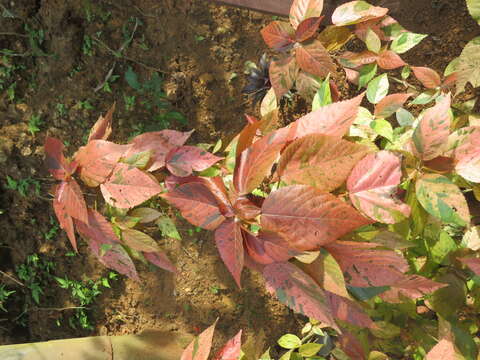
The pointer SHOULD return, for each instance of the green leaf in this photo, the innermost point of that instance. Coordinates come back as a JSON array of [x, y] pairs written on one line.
[[474, 9], [448, 300], [362, 293], [404, 117], [372, 41], [383, 128], [440, 246], [266, 355], [406, 72], [132, 79], [385, 330], [378, 88], [366, 73], [425, 98], [323, 96], [289, 341], [139, 160], [440, 197], [405, 41], [309, 349], [168, 228]]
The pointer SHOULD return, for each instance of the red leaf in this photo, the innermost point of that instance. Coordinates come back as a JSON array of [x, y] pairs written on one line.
[[255, 162], [373, 185], [128, 187], [320, 161], [97, 159], [214, 184], [283, 73], [431, 134], [200, 347], [105, 244], [365, 266], [355, 60], [308, 218], [161, 260], [245, 208], [278, 35], [334, 119], [302, 10], [307, 28], [390, 104], [139, 241], [352, 346], [56, 163], [232, 349], [428, 77], [70, 196], [229, 240], [298, 291], [65, 220], [197, 204], [314, 59], [160, 143], [268, 247], [390, 60], [183, 160], [411, 286], [346, 310], [246, 136], [103, 127], [472, 263]]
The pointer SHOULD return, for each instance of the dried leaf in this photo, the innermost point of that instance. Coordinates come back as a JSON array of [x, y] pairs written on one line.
[[320, 161], [229, 241], [102, 129], [308, 218], [128, 187]]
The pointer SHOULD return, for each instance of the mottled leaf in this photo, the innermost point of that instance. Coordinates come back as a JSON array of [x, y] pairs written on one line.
[[405, 41], [145, 214], [465, 147], [302, 10], [97, 160], [128, 187], [373, 185], [390, 104], [431, 134], [139, 241], [200, 347], [102, 129], [183, 160], [232, 349], [197, 204], [167, 228], [355, 12], [348, 311], [229, 241], [278, 35], [440, 197], [298, 291], [320, 161], [283, 73], [378, 88], [308, 218], [314, 59]]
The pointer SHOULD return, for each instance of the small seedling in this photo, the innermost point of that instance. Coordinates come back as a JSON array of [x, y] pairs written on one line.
[[4, 295], [129, 102], [35, 274], [34, 124], [23, 186], [61, 109], [87, 46]]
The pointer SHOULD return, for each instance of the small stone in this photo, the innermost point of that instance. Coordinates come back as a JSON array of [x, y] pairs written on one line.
[[26, 151]]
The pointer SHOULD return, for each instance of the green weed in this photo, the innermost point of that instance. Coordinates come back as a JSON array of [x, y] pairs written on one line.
[[4, 295], [34, 124], [23, 186], [35, 274]]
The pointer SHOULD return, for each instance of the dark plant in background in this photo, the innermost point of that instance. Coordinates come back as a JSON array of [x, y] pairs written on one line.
[[258, 81]]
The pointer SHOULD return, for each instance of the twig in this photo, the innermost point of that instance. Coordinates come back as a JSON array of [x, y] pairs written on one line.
[[58, 309], [11, 278], [13, 34]]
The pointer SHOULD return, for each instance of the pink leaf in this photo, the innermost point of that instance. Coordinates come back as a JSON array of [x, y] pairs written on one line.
[[314, 59], [320, 161], [428, 77], [431, 134], [197, 204], [278, 35], [268, 247], [200, 347], [183, 160], [445, 349], [334, 119], [308, 218], [105, 244], [355, 60], [56, 163], [298, 291], [348, 311], [160, 143], [411, 286], [390, 104], [65, 221], [472, 263], [229, 240], [365, 266], [302, 10], [465, 147], [352, 75], [129, 186], [97, 159], [351, 13], [232, 349], [390, 60], [352, 346], [307, 28], [103, 127], [373, 185], [161, 260], [70, 196], [283, 73]]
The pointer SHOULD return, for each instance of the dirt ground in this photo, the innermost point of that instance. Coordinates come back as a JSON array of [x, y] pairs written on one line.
[[200, 50]]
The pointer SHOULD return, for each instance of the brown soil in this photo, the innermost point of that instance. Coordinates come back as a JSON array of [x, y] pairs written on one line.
[[199, 47]]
